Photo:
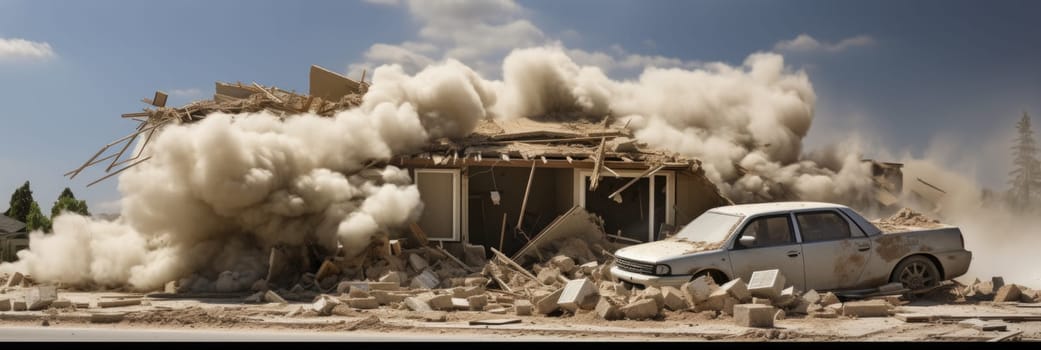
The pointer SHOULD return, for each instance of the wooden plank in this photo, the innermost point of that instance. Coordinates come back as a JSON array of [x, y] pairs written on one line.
[[454, 259], [119, 171], [527, 190], [598, 163], [509, 261], [1005, 337], [502, 234], [647, 173], [916, 318], [494, 322], [421, 237]]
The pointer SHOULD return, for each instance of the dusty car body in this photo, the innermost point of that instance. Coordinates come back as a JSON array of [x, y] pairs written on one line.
[[819, 246]]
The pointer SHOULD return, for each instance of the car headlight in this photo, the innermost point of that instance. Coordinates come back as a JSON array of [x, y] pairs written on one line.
[[662, 270]]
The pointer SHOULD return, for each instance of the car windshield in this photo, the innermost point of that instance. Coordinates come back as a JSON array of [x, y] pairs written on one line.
[[710, 227]]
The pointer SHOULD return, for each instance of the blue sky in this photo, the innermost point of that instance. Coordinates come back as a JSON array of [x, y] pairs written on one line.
[[943, 78]]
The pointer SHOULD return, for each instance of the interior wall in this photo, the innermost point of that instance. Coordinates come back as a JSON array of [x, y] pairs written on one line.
[[550, 196]]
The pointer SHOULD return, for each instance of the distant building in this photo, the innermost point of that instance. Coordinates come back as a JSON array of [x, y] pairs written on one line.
[[13, 238]]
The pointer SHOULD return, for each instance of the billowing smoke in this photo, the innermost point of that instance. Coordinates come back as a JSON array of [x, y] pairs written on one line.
[[219, 194]]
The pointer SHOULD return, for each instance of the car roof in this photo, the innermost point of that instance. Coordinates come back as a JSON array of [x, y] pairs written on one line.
[[765, 208]]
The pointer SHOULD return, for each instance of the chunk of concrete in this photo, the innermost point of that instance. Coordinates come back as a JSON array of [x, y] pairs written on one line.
[[811, 297], [754, 315], [728, 305], [254, 298], [460, 304], [985, 288], [441, 302], [466, 292], [548, 303], [737, 289], [578, 294], [715, 301], [607, 309], [786, 298], [61, 304], [766, 284], [5, 304], [18, 305], [522, 307], [1006, 293], [829, 299], [548, 275], [15, 280], [40, 297], [698, 289], [358, 293], [655, 294], [823, 313], [641, 309], [866, 308], [564, 263], [324, 305], [119, 303], [475, 281], [363, 303], [504, 299], [477, 302], [417, 304], [417, 262], [674, 299], [272, 297], [498, 311], [385, 297], [426, 280], [761, 301]]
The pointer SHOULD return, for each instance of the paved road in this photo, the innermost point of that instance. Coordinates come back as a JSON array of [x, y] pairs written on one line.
[[53, 333]]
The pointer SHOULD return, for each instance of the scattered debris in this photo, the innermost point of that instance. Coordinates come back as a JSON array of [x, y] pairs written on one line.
[[754, 315]]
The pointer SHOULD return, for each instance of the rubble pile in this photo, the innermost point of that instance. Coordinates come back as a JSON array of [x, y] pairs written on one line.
[[906, 218]]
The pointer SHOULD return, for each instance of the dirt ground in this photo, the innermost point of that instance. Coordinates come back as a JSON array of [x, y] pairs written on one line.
[[231, 314]]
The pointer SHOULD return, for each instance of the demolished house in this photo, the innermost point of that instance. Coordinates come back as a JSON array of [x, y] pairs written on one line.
[[499, 187]]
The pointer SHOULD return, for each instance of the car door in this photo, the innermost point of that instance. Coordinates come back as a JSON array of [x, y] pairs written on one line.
[[834, 249], [774, 247]]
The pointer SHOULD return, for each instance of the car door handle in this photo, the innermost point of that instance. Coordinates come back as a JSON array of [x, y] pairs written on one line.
[[863, 247], [793, 253]]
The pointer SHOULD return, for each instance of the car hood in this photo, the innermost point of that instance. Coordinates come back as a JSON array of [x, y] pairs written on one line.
[[661, 250]]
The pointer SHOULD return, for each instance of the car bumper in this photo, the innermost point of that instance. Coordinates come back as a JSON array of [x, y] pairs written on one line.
[[649, 281], [955, 263]]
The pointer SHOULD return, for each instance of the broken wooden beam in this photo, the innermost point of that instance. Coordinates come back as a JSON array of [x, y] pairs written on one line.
[[524, 202], [594, 179]]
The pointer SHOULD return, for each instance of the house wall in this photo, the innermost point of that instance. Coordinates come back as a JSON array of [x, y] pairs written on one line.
[[694, 195]]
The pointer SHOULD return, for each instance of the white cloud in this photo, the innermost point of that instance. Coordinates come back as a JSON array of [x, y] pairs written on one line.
[[20, 49], [620, 59], [806, 43]]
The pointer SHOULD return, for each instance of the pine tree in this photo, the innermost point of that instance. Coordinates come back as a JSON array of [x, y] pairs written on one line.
[[21, 203], [1026, 172], [36, 220], [68, 202]]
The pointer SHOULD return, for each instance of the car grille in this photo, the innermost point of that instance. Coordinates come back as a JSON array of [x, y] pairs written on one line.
[[635, 266]]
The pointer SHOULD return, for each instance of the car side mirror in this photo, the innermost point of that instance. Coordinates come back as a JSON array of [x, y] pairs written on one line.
[[747, 241]]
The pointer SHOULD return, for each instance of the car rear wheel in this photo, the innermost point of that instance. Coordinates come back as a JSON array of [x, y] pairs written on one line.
[[916, 272]]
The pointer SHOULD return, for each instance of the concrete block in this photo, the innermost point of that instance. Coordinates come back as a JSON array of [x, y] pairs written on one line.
[[715, 301], [466, 292], [18, 305], [607, 309], [426, 280], [107, 317], [800, 306], [442, 302], [417, 262], [475, 281], [761, 301], [474, 255], [324, 305], [254, 298], [477, 302], [5, 304], [754, 315], [829, 299], [766, 284], [358, 293], [498, 311], [272, 297], [811, 296], [40, 297], [548, 303], [985, 288], [548, 275], [564, 263], [728, 305], [460, 304], [416, 304], [1007, 293], [119, 303], [786, 298], [61, 304], [393, 277], [655, 294], [15, 280], [578, 294], [737, 289], [363, 303], [698, 289], [504, 299], [674, 299], [384, 297], [523, 307], [866, 308], [641, 309], [588, 267], [981, 325]]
